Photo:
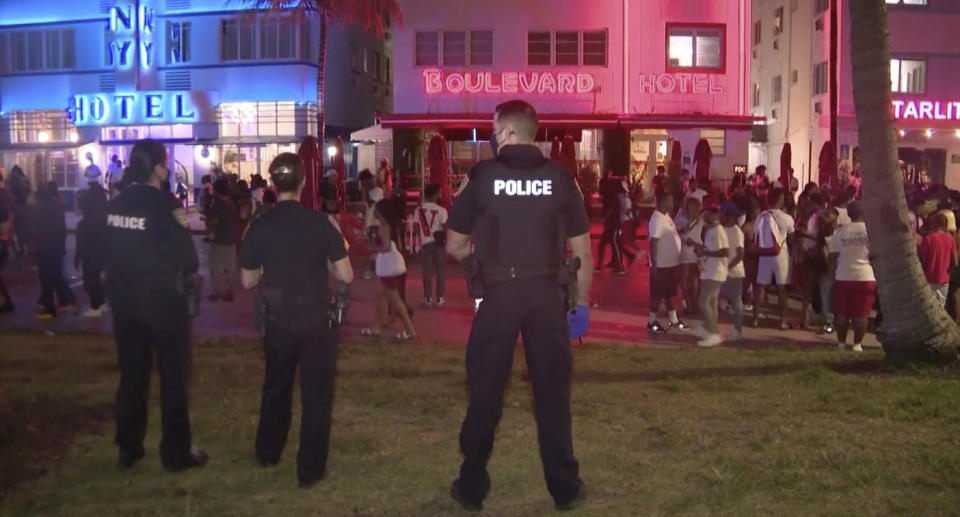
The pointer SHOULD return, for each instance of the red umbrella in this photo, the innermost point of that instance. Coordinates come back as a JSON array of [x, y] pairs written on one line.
[[675, 154], [786, 158], [828, 164], [568, 155], [310, 159], [439, 166], [555, 149], [701, 158], [340, 167]]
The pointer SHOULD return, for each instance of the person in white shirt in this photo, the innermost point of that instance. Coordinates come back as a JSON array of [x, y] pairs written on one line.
[[92, 172], [771, 232], [699, 192], [114, 175], [840, 203], [664, 264], [732, 289], [690, 226], [714, 256], [854, 286], [433, 255]]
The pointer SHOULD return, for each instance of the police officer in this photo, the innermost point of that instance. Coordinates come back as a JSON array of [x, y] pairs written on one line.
[[287, 253], [150, 264], [522, 211]]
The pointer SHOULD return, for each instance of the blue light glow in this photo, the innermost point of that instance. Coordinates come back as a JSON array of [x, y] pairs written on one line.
[[155, 107]]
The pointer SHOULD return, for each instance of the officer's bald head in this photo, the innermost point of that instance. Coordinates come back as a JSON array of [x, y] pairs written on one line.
[[520, 117], [286, 172]]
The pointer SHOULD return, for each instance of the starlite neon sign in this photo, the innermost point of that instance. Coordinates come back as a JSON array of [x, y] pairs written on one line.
[[122, 24], [156, 107], [926, 110], [437, 81]]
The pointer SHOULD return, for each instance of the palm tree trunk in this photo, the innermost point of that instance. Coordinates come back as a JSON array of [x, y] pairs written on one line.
[[915, 326], [321, 82]]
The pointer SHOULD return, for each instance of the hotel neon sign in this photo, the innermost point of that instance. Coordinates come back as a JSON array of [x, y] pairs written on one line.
[[437, 81], [681, 82], [142, 107], [122, 24], [926, 110]]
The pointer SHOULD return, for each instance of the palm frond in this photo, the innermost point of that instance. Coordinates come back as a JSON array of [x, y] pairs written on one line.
[[374, 16]]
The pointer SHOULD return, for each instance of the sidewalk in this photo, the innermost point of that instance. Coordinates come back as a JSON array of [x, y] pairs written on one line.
[[621, 316]]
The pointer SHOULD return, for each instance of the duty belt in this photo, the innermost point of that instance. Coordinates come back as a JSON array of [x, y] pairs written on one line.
[[499, 274]]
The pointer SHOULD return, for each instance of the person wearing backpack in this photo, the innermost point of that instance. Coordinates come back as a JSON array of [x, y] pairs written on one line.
[[433, 255], [771, 232]]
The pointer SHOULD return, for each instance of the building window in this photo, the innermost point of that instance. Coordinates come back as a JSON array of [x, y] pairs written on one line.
[[821, 78], [777, 88], [757, 32], [908, 75], [567, 48], [454, 48], [778, 21], [277, 38], [387, 71], [481, 48], [823, 5], [538, 48], [356, 59], [794, 77], [756, 95], [907, 2], [428, 48], [695, 47], [238, 40], [178, 42], [41, 50], [595, 48], [717, 140]]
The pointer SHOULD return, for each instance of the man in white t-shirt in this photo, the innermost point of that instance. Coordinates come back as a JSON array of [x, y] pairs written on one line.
[[854, 286], [664, 264], [713, 260], [699, 192], [773, 270], [732, 289], [433, 255], [92, 172]]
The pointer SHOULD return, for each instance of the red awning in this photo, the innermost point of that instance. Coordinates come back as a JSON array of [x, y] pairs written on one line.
[[691, 121], [484, 121]]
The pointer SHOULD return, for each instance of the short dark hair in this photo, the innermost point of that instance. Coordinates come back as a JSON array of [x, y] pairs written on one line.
[[774, 194], [366, 175], [269, 197], [431, 191], [205, 179], [144, 157], [855, 211], [521, 115], [286, 172], [221, 186]]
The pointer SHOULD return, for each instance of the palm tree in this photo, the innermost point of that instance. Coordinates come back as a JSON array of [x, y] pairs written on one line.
[[374, 16], [915, 326]]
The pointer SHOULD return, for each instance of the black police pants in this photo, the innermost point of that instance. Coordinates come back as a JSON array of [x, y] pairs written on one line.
[[314, 351], [138, 342], [533, 309]]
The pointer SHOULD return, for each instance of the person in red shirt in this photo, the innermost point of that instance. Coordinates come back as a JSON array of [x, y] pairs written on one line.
[[938, 255]]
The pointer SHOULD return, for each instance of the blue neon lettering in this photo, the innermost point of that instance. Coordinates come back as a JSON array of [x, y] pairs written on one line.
[[124, 102], [132, 107], [146, 19], [99, 109], [151, 108], [118, 15], [146, 54], [181, 110]]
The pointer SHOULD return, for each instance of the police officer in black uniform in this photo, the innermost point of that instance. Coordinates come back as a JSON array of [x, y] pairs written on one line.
[[287, 253], [522, 211], [151, 265]]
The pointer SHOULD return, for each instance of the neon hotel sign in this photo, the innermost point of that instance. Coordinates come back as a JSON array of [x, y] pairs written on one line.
[[436, 81], [926, 110]]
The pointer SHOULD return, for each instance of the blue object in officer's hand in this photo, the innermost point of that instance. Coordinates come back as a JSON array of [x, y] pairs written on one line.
[[579, 320]]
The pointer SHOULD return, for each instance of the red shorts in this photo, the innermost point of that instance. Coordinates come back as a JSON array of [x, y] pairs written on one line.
[[853, 299], [394, 282]]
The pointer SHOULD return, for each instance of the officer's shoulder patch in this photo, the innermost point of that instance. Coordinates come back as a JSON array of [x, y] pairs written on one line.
[[180, 215]]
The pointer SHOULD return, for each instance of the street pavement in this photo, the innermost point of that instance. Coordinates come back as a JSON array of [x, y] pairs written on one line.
[[620, 315]]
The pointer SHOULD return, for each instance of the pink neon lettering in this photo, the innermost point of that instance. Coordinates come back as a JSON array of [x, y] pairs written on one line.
[[956, 110], [714, 87], [471, 86], [700, 84], [454, 83], [897, 108], [646, 83], [547, 84], [509, 80], [585, 83], [910, 111], [937, 114], [490, 86], [666, 83], [433, 80], [926, 109], [684, 80], [528, 85], [566, 82]]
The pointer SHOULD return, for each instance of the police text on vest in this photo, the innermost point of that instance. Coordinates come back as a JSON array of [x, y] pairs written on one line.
[[127, 222], [523, 187]]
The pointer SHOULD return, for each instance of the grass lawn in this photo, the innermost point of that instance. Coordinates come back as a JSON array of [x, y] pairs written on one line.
[[657, 432]]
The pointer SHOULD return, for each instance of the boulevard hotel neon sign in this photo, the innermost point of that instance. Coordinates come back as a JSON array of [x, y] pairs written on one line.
[[926, 110], [436, 81]]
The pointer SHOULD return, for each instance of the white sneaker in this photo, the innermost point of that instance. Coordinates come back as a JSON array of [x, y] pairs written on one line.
[[748, 307], [858, 348], [710, 341], [93, 313], [441, 302], [700, 332], [734, 337], [427, 302]]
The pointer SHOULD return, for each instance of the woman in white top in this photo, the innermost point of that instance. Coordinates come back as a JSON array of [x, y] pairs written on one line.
[[391, 269], [690, 226], [713, 255], [855, 286]]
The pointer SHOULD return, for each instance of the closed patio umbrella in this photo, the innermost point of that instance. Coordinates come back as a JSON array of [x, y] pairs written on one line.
[[701, 158], [340, 167], [309, 154], [568, 155], [439, 166], [555, 149], [786, 158], [827, 164]]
